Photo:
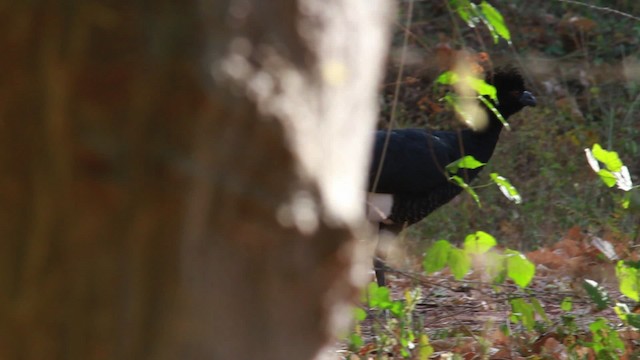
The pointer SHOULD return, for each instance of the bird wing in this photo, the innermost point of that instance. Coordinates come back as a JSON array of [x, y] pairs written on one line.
[[414, 161]]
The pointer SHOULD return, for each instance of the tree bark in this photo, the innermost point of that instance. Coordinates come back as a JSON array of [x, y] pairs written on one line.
[[182, 180]]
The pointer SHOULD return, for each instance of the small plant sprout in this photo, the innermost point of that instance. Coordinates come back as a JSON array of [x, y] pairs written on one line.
[[614, 173], [469, 162]]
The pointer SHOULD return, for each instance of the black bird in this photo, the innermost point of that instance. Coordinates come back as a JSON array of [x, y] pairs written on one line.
[[412, 181]]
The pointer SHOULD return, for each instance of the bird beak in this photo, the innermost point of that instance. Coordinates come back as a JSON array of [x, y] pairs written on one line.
[[527, 99]]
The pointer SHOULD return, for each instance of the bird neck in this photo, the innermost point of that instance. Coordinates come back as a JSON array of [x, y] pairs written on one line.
[[481, 145]]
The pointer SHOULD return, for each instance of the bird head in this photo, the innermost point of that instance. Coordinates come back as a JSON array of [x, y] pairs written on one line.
[[512, 94]]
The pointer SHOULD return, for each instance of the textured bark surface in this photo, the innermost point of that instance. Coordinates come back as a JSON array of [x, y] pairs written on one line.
[[182, 180]]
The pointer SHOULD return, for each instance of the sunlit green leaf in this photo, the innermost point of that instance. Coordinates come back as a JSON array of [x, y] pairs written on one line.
[[609, 158], [437, 256], [396, 308], [466, 162], [478, 85], [506, 188], [628, 279], [482, 87], [598, 325], [447, 78], [566, 304], [490, 16], [616, 173], [479, 243], [359, 314], [495, 19], [519, 268], [463, 8], [459, 263], [607, 177], [378, 296]]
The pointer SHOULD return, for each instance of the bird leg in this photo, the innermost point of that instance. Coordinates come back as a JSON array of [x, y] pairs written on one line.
[[379, 266]]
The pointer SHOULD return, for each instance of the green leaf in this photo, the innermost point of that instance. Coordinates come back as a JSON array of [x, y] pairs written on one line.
[[378, 296], [523, 312], [519, 268], [633, 320], [463, 8], [496, 21], [567, 304], [539, 309], [598, 325], [356, 341], [448, 78], [437, 256], [459, 263], [359, 314], [607, 177], [473, 14], [609, 158], [632, 264], [615, 173], [465, 162], [507, 189], [605, 339], [479, 243], [482, 87], [458, 181], [597, 293], [396, 308], [629, 280]]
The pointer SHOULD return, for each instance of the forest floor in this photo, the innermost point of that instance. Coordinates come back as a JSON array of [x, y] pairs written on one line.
[[473, 318]]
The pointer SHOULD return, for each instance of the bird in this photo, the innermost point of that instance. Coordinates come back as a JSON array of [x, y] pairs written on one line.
[[407, 178]]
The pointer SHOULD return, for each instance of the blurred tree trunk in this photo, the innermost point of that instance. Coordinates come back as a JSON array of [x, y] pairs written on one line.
[[182, 180]]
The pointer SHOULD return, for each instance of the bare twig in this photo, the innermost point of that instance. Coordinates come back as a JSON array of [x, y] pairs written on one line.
[[601, 8]]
